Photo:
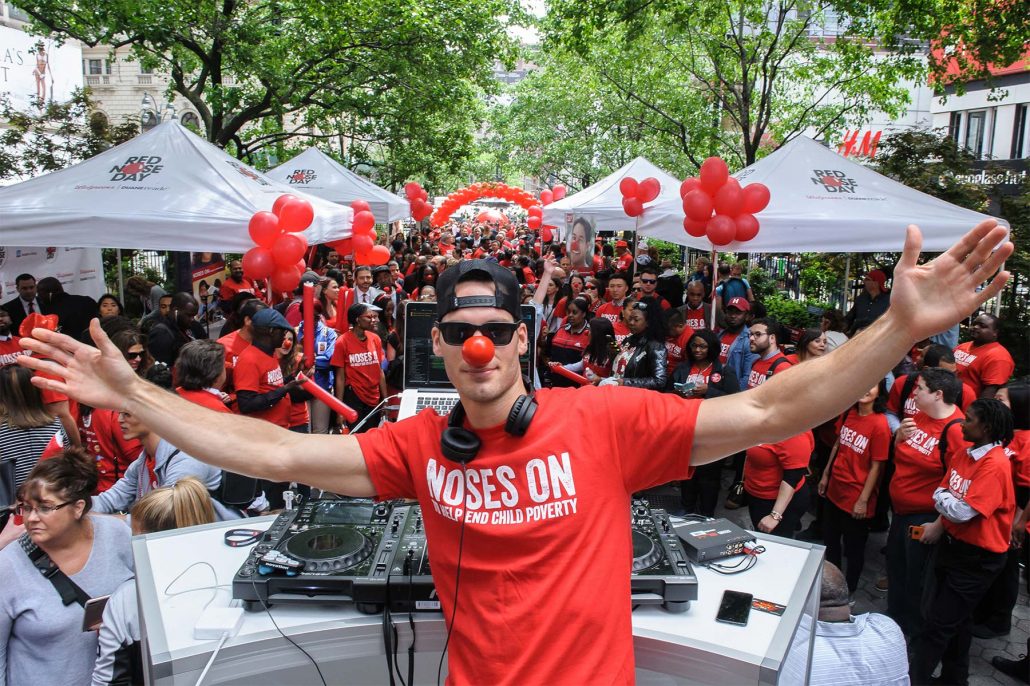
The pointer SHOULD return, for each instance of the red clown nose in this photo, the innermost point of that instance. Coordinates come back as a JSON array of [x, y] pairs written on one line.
[[478, 350]]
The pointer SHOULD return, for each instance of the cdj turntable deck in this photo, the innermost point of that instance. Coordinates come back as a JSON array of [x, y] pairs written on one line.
[[347, 550]]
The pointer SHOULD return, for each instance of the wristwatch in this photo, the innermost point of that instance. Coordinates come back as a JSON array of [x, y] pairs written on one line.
[[776, 515]]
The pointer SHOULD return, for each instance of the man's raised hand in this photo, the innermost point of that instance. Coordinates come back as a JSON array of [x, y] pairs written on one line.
[[930, 298], [98, 377]]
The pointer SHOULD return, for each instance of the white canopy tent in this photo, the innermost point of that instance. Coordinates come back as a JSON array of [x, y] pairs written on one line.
[[314, 172], [601, 203], [823, 202], [167, 189]]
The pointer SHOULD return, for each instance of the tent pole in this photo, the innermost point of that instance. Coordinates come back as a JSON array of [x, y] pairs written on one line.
[[997, 298], [847, 279], [121, 276], [715, 276]]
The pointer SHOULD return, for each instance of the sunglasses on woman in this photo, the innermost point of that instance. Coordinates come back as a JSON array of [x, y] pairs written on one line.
[[456, 333]]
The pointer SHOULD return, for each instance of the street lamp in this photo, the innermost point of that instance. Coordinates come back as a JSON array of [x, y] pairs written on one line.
[[151, 114]]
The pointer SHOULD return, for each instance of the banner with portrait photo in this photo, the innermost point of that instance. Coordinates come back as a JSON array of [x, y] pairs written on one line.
[[80, 270], [208, 274], [580, 242]]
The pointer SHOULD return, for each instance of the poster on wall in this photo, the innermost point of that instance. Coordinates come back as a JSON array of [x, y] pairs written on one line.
[[80, 270], [208, 274], [36, 70]]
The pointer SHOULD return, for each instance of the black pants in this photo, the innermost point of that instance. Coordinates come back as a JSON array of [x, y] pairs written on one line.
[[995, 610], [906, 568], [758, 508], [350, 398], [700, 494], [957, 578], [840, 527]]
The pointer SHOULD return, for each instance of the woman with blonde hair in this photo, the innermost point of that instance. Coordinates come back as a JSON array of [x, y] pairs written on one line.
[[185, 503]]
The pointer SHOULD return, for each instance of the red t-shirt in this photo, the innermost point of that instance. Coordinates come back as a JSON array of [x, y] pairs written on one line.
[[299, 414], [917, 463], [361, 364], [625, 261], [203, 398], [910, 409], [230, 288], [234, 344], [725, 342], [761, 369], [609, 311], [530, 499], [695, 317], [676, 348], [861, 441], [102, 437], [567, 345], [1018, 452], [255, 371], [983, 365], [765, 464], [10, 351], [986, 486]]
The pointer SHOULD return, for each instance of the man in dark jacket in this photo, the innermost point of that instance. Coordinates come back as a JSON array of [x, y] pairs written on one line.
[[74, 312], [175, 330], [870, 304]]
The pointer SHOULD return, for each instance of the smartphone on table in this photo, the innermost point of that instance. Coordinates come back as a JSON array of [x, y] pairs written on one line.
[[735, 608]]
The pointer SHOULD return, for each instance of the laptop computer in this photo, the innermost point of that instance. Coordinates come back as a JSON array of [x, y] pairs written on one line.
[[425, 379]]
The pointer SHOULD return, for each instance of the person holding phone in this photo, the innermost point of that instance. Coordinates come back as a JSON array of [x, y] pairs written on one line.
[[93, 556]]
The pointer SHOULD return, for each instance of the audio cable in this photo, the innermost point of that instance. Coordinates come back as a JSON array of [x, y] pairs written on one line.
[[457, 572], [264, 605]]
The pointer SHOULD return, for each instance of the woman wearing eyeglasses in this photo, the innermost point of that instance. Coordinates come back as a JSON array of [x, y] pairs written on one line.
[[41, 637]]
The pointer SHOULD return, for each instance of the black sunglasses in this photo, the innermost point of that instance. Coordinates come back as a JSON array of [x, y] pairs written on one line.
[[134, 356], [456, 333]]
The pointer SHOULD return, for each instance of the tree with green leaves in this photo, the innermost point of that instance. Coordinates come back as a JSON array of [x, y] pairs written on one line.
[[55, 135], [262, 72]]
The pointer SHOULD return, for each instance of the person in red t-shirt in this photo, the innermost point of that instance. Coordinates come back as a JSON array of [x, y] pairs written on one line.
[[975, 502], [570, 341], [9, 347], [983, 363], [851, 479], [774, 480], [624, 258], [649, 285], [358, 362], [697, 313], [618, 288], [495, 510], [236, 283], [102, 438], [763, 336], [919, 460], [676, 341], [902, 403], [200, 374], [261, 391]]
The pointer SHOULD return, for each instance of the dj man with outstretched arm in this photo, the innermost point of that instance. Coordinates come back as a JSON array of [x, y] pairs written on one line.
[[536, 605]]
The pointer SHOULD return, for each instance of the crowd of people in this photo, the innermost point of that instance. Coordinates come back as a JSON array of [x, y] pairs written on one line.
[[938, 451]]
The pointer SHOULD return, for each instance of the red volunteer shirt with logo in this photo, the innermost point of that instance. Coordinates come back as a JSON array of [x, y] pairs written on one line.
[[568, 345], [10, 350], [530, 499], [361, 364], [910, 409], [676, 348], [255, 371], [624, 262], [695, 318], [102, 437], [230, 288], [725, 342], [760, 369], [917, 463], [861, 441], [204, 398], [765, 464], [983, 365], [234, 345], [986, 486]]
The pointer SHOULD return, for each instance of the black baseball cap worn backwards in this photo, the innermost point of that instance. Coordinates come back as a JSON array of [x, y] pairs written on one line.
[[505, 297]]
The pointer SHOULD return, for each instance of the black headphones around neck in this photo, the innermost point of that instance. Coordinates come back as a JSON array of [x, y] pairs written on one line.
[[461, 445]]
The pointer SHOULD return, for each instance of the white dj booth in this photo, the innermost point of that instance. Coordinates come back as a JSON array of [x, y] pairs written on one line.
[[686, 648]]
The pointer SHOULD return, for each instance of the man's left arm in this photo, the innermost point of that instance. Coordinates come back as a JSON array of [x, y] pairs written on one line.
[[926, 299]]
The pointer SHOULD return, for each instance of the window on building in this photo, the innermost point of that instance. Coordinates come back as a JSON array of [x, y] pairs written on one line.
[[190, 119], [96, 67], [954, 122], [976, 123], [1019, 133], [145, 70]]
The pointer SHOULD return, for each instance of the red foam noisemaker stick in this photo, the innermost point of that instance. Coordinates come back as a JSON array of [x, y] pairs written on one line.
[[328, 398], [309, 324], [570, 375]]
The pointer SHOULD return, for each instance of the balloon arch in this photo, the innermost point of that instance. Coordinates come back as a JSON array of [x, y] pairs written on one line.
[[476, 191]]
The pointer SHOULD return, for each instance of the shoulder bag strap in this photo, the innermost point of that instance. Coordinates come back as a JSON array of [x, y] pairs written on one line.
[[65, 587]]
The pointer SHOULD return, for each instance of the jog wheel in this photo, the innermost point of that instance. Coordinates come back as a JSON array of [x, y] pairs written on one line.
[[645, 552], [329, 548]]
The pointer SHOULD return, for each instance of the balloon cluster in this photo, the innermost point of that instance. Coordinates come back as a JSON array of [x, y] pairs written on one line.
[[363, 236], [478, 190], [418, 199], [280, 247], [549, 195], [715, 192], [636, 193]]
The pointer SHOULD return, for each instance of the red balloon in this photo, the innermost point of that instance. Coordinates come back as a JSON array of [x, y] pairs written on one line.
[[559, 191], [714, 173], [478, 350], [689, 184], [423, 194], [628, 186], [364, 258], [264, 228], [535, 211], [698, 205], [278, 204], [534, 222], [729, 200], [360, 206], [362, 243], [285, 279], [411, 189], [363, 223], [756, 197], [546, 197], [747, 228], [379, 254], [296, 215], [258, 263], [547, 235], [288, 249], [695, 229], [649, 189], [721, 229], [633, 206]]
